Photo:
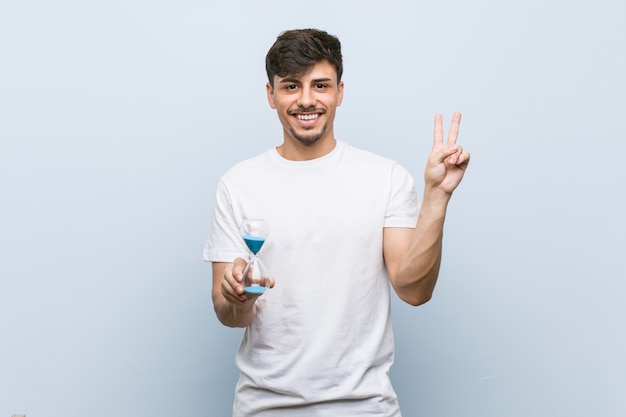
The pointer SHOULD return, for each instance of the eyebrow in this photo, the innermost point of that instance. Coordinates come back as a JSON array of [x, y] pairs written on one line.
[[297, 81]]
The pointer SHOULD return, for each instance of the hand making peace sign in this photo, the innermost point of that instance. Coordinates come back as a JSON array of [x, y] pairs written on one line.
[[447, 162]]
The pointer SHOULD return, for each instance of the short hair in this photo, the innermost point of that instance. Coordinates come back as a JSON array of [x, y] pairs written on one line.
[[296, 51]]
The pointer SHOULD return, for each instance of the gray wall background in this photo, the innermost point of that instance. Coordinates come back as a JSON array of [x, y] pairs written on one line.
[[118, 117]]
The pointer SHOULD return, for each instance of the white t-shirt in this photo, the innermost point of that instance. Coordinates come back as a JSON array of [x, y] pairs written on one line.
[[321, 342]]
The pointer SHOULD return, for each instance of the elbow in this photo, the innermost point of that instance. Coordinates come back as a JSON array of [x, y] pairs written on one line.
[[416, 299], [418, 290], [415, 296]]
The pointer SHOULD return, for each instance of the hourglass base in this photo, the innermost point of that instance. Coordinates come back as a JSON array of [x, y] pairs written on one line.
[[255, 289]]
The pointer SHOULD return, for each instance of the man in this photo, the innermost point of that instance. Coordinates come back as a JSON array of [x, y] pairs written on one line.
[[343, 225]]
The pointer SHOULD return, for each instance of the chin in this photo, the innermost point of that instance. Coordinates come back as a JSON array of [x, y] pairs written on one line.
[[309, 139]]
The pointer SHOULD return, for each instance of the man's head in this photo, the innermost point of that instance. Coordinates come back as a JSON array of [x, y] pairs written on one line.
[[295, 52]]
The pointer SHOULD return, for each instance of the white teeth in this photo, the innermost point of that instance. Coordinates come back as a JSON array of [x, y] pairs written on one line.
[[307, 116]]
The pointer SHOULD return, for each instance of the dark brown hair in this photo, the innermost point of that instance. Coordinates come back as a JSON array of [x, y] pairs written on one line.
[[296, 51]]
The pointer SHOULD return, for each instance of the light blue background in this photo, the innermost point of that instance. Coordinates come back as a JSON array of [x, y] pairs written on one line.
[[118, 117]]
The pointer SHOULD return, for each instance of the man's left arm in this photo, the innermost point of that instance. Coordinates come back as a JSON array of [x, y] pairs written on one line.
[[413, 256]]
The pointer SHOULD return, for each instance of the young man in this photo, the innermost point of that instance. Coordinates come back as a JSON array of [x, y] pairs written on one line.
[[343, 225]]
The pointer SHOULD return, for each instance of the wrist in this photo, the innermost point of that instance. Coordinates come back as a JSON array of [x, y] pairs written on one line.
[[235, 314], [435, 199], [244, 309]]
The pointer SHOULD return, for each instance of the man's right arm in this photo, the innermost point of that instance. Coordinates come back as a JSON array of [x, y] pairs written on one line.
[[233, 306]]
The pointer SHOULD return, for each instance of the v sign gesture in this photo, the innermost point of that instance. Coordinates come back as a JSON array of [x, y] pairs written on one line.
[[413, 256], [447, 162]]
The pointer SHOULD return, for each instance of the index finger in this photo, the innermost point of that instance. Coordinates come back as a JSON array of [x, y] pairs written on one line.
[[438, 136], [454, 128], [239, 265]]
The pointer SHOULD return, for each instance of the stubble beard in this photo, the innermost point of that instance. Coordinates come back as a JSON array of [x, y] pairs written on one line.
[[311, 138], [307, 140]]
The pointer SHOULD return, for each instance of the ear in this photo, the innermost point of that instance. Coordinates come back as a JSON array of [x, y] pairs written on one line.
[[270, 95], [339, 93]]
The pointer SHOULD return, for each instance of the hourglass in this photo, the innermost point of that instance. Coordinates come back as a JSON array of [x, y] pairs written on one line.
[[256, 279]]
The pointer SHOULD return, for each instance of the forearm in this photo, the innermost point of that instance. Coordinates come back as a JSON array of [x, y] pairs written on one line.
[[232, 309], [418, 270]]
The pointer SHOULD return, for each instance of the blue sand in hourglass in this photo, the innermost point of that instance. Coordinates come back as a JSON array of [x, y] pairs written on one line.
[[255, 289], [254, 243]]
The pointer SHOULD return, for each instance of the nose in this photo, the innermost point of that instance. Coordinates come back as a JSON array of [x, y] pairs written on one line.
[[307, 97]]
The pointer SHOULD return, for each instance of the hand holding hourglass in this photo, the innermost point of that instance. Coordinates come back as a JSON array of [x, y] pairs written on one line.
[[256, 278]]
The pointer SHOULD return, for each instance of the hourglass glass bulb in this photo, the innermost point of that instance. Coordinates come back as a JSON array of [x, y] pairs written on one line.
[[256, 279]]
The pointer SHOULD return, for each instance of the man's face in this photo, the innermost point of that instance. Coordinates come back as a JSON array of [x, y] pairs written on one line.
[[306, 104]]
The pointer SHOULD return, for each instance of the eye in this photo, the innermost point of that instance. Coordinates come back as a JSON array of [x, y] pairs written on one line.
[[291, 87], [320, 86]]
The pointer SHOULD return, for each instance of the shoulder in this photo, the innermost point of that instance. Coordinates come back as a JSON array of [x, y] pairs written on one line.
[[249, 165], [372, 161]]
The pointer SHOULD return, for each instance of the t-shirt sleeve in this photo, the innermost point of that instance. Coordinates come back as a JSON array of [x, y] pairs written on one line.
[[403, 206], [224, 243]]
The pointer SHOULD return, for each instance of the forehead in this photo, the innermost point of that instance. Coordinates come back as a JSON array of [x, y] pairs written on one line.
[[322, 70]]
